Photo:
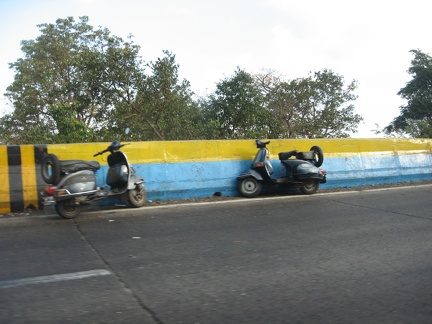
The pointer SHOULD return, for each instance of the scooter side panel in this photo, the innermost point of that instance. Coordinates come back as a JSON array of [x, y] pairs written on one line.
[[80, 181]]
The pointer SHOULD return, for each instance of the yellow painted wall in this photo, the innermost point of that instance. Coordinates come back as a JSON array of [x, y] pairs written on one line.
[[187, 151]]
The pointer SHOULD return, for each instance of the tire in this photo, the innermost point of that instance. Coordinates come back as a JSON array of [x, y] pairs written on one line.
[[310, 187], [249, 187], [318, 156], [137, 197], [50, 169], [68, 209]]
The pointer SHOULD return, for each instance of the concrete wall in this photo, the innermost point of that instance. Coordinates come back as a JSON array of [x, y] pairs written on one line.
[[193, 169]]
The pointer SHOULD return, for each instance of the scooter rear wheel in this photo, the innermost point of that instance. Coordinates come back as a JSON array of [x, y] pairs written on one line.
[[249, 187], [68, 209], [310, 187]]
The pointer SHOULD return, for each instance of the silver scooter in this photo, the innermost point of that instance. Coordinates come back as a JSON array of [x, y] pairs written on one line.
[[73, 182]]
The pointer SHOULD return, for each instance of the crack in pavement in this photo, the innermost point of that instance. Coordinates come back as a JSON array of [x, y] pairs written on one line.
[[118, 277], [381, 209]]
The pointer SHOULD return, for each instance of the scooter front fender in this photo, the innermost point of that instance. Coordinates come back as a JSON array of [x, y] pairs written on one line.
[[134, 181], [250, 173]]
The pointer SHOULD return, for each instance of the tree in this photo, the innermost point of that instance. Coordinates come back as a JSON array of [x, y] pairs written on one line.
[[79, 84], [68, 82], [236, 108], [319, 106], [164, 108], [415, 117]]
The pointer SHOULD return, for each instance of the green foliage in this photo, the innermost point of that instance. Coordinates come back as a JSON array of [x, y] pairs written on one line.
[[69, 128], [319, 106], [163, 108], [70, 66], [75, 83], [415, 117], [236, 108]]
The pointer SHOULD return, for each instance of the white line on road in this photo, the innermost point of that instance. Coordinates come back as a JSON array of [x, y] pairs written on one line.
[[53, 278]]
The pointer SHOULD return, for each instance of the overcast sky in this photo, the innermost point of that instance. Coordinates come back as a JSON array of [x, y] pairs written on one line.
[[369, 41]]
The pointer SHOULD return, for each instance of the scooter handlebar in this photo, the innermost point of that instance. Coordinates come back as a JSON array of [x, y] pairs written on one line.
[[101, 152], [108, 149], [261, 144]]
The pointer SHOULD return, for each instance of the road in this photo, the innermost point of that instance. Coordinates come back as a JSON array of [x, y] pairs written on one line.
[[354, 257]]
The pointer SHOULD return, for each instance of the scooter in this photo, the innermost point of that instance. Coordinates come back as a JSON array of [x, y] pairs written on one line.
[[303, 172], [73, 182]]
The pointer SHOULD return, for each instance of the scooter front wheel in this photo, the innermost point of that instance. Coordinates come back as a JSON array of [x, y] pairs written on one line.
[[137, 196], [249, 187], [310, 187], [68, 209]]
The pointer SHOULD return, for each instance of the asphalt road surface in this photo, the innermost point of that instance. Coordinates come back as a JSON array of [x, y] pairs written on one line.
[[355, 257]]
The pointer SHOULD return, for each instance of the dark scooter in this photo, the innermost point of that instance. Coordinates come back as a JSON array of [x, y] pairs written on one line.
[[73, 182], [303, 172]]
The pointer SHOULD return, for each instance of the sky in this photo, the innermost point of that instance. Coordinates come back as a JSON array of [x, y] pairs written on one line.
[[368, 41]]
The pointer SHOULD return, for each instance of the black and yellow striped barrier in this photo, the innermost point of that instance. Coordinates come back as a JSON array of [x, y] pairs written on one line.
[[20, 171]]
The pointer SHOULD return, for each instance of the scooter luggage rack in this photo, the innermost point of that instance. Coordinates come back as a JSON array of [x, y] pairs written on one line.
[[62, 194]]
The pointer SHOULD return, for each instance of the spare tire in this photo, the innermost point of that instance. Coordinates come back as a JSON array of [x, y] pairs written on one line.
[[318, 155], [50, 169]]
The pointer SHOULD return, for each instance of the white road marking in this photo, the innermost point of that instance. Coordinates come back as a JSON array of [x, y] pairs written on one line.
[[53, 278]]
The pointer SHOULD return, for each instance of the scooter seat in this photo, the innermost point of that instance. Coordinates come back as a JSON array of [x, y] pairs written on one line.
[[70, 166], [305, 155], [286, 155]]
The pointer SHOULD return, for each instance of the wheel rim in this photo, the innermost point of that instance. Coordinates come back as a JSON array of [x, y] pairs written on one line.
[[316, 157], [309, 187], [137, 196], [68, 209], [250, 186], [310, 184]]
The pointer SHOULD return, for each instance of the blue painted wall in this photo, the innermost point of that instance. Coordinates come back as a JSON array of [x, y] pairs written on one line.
[[201, 179]]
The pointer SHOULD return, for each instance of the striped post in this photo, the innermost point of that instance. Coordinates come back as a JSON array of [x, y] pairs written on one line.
[[20, 171]]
